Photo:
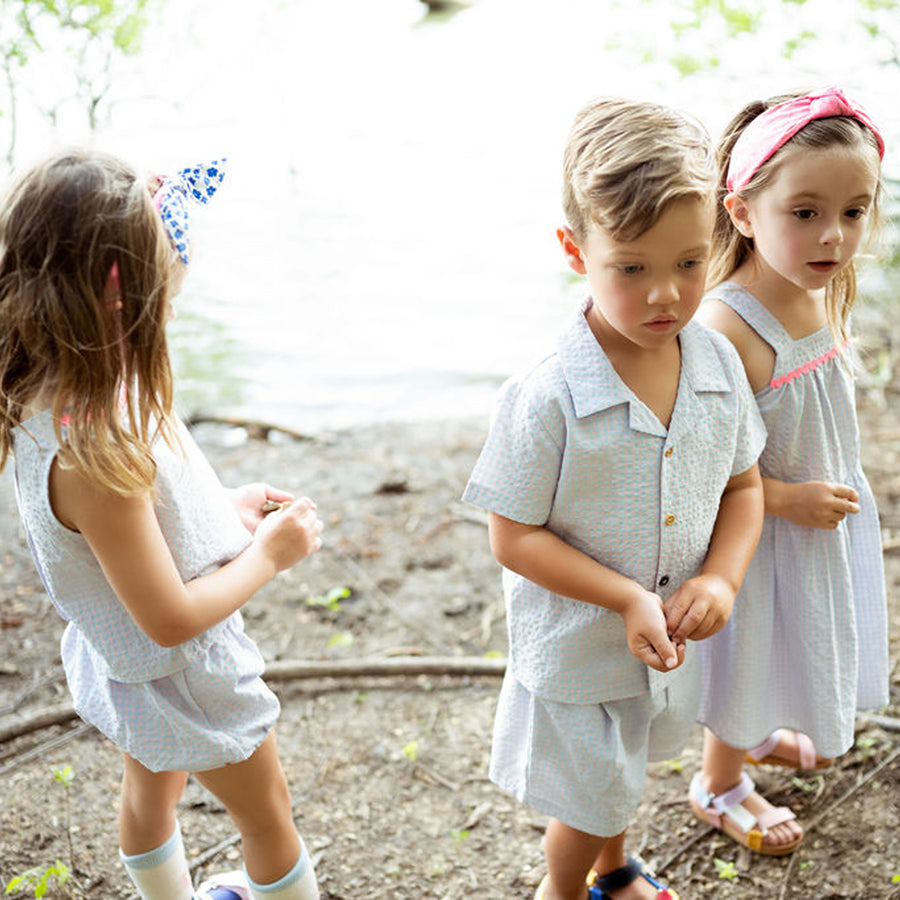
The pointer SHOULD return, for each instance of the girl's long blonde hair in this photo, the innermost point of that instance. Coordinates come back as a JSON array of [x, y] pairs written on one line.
[[97, 357], [730, 248]]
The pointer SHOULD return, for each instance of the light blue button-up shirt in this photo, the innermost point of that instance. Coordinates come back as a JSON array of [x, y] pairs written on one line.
[[573, 449]]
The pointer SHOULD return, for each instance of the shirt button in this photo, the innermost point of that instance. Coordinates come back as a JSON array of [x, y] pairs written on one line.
[[669, 451], [670, 519], [664, 581]]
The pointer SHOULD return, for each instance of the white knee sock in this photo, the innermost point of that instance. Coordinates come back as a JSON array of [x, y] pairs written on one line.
[[298, 884], [161, 874]]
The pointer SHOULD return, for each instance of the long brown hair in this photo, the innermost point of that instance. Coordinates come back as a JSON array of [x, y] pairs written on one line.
[[730, 249], [103, 366]]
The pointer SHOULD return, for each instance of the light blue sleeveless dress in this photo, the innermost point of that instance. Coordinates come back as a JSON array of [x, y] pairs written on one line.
[[195, 706], [807, 642]]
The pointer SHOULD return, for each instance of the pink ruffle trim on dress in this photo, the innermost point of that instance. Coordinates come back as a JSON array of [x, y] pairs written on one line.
[[809, 366]]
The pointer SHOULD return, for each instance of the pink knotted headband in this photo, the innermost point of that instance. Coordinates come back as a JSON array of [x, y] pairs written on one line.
[[776, 126]]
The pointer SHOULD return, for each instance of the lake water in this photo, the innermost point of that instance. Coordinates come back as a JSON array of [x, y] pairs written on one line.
[[384, 245]]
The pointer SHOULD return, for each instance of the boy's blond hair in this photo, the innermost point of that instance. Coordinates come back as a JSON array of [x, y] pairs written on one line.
[[626, 161]]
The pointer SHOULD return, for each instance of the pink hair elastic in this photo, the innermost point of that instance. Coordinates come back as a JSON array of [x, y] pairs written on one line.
[[776, 126]]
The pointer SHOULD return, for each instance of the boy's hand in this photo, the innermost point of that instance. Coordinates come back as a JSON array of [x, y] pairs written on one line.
[[699, 608], [648, 640], [250, 499], [818, 504], [291, 534]]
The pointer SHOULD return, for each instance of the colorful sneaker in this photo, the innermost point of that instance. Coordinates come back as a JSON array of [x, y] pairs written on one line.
[[227, 886]]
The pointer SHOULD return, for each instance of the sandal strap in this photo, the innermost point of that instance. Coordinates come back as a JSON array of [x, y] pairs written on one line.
[[619, 878], [599, 885], [778, 815], [728, 803], [806, 750], [721, 803], [761, 751]]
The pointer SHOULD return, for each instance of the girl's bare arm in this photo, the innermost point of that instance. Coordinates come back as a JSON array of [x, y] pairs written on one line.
[[124, 535]]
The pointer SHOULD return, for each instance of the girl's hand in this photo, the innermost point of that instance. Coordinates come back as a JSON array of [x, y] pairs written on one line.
[[648, 640], [249, 500], [699, 608], [815, 504], [291, 534]]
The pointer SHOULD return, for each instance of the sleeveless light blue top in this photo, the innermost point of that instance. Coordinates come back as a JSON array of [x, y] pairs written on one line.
[[200, 526], [807, 642]]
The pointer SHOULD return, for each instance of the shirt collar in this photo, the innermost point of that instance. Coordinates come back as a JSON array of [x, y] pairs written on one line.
[[595, 385]]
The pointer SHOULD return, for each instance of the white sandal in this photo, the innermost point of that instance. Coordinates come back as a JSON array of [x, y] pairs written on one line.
[[807, 759], [726, 812]]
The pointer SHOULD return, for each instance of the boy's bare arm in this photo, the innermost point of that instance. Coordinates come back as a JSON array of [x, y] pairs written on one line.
[[540, 556], [702, 605]]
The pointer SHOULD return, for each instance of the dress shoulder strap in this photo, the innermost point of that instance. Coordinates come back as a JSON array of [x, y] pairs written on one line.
[[753, 313]]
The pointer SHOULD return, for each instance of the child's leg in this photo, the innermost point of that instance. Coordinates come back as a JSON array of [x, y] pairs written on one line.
[[722, 768], [255, 793], [149, 838], [612, 856], [570, 854]]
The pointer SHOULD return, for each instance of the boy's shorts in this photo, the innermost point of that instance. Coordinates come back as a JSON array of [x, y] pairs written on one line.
[[585, 764]]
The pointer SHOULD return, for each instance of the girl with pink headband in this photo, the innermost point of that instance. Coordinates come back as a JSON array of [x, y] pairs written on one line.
[[806, 645], [144, 553]]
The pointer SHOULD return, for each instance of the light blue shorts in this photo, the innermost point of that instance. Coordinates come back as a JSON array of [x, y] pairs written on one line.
[[211, 714], [585, 764]]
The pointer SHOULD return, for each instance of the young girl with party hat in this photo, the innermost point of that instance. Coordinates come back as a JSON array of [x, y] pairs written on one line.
[[139, 546], [806, 644]]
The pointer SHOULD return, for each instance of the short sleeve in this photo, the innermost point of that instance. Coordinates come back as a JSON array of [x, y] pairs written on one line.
[[517, 472]]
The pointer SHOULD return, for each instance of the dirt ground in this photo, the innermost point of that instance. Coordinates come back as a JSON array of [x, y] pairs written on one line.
[[389, 774]]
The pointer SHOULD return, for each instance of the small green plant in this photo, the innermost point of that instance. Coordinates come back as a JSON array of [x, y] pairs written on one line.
[[896, 879], [63, 776], [808, 787], [330, 601], [459, 834], [341, 640], [726, 870], [674, 765], [40, 881], [411, 751]]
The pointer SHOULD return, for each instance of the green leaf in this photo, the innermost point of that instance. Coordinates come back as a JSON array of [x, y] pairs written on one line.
[[331, 600], [687, 65], [64, 775], [726, 870], [342, 639], [411, 751]]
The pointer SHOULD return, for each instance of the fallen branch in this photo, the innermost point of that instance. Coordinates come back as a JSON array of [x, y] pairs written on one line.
[[44, 718], [256, 430], [888, 723], [405, 666], [291, 670]]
